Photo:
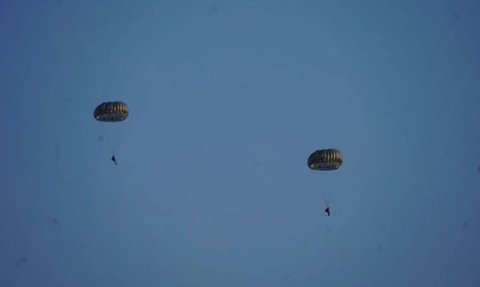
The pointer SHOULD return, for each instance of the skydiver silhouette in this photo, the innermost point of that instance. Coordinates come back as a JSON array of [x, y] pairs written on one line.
[[327, 210], [114, 160]]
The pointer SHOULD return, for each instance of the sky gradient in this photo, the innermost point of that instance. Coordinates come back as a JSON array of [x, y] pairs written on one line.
[[227, 100]]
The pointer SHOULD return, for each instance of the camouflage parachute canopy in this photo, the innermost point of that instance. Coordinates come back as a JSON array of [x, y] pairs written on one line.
[[325, 159], [111, 112]]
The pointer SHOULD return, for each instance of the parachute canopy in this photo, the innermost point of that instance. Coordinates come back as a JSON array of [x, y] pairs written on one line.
[[325, 159], [111, 112]]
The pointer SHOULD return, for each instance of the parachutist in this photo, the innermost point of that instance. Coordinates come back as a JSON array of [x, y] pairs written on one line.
[[325, 159], [114, 160]]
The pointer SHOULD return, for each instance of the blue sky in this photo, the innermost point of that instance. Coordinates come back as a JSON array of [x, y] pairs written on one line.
[[227, 100]]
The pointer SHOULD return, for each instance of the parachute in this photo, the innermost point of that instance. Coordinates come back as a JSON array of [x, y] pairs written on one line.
[[325, 159], [111, 112]]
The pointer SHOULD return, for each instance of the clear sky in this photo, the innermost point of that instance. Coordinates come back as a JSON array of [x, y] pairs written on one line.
[[227, 100]]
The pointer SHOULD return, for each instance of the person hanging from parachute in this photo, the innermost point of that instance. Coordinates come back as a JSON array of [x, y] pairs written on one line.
[[323, 160], [327, 211], [111, 112]]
